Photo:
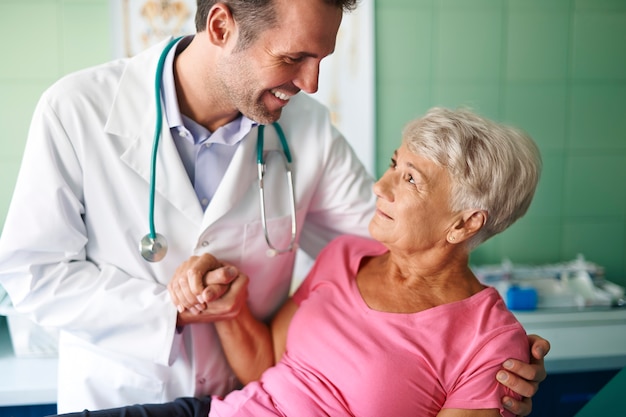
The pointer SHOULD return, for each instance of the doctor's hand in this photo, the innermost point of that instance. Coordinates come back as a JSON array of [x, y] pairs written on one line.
[[524, 378], [225, 307], [199, 280]]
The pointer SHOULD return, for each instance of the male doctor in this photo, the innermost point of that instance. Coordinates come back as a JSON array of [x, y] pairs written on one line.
[[69, 253]]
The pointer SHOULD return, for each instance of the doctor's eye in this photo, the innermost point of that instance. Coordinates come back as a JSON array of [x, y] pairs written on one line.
[[292, 59]]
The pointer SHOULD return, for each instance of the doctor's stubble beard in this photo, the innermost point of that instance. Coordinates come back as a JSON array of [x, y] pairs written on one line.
[[237, 86]]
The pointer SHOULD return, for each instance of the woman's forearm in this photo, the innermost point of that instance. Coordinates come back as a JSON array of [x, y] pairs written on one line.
[[247, 344]]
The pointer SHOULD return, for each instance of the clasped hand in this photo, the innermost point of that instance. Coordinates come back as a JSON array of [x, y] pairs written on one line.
[[204, 289]]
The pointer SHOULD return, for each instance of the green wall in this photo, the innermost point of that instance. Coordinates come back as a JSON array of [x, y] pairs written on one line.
[[556, 68], [43, 39]]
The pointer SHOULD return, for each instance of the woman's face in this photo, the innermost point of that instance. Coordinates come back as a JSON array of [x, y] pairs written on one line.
[[412, 208]]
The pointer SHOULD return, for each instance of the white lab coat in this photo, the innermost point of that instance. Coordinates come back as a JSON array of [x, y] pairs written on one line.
[[69, 252]]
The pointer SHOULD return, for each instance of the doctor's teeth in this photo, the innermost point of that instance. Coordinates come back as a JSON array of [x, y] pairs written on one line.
[[280, 95]]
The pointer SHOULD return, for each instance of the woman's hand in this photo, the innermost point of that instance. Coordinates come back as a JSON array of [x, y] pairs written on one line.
[[226, 307], [524, 378], [199, 280]]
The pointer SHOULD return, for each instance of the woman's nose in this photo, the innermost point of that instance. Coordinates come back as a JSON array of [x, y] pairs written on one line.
[[381, 187]]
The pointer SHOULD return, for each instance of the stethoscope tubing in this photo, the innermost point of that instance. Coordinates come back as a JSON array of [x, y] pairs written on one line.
[[157, 132], [286, 154], [153, 246]]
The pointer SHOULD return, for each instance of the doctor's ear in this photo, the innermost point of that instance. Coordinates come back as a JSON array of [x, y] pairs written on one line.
[[220, 25]]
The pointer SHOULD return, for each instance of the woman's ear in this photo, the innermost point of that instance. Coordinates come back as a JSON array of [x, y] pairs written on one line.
[[467, 225], [220, 25]]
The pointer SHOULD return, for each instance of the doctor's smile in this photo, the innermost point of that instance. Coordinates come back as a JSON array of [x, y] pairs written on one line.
[[281, 95]]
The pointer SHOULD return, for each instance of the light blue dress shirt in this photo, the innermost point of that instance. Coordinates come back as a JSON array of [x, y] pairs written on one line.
[[205, 155]]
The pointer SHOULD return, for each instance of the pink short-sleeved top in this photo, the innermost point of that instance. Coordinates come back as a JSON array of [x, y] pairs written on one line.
[[345, 359]]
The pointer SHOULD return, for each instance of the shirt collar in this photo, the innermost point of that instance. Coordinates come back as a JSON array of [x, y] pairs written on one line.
[[170, 101], [229, 134]]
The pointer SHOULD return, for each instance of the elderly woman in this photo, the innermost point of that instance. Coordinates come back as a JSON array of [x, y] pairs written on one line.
[[397, 325]]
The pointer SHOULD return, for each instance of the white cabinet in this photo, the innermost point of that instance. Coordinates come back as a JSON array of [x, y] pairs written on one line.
[[25, 381], [581, 340]]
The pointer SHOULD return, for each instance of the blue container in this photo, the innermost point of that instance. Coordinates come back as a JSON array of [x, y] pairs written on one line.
[[521, 298]]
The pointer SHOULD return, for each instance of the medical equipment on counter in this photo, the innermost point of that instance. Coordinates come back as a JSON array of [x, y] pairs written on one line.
[[574, 284], [153, 246]]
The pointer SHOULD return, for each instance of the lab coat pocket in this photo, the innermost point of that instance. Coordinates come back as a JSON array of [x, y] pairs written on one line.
[[270, 272], [278, 232]]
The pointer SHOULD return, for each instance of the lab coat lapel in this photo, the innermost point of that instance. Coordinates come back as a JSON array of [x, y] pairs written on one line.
[[133, 116], [237, 180], [172, 182]]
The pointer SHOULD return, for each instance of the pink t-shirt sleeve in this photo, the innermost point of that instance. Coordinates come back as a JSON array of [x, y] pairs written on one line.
[[476, 387]]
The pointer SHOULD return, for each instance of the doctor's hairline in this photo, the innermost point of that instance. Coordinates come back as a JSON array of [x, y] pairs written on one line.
[[253, 16]]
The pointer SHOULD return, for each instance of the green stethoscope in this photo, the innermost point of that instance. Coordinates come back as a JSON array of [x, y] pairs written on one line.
[[153, 246]]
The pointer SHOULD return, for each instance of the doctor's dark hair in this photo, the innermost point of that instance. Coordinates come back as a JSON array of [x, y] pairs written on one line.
[[254, 16], [493, 166]]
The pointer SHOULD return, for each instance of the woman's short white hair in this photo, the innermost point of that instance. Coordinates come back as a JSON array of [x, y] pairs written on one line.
[[493, 167]]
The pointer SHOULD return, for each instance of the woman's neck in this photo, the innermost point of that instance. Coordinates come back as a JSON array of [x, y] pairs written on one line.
[[401, 287]]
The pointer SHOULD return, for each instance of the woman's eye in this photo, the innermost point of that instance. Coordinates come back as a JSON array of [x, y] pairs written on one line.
[[392, 164], [411, 179]]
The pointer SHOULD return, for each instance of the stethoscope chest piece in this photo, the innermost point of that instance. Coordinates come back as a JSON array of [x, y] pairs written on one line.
[[153, 249]]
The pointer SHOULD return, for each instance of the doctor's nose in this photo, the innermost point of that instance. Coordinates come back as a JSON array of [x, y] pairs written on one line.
[[308, 77]]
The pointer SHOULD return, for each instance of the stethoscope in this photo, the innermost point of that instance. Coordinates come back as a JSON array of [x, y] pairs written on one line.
[[153, 246]]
